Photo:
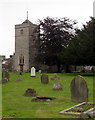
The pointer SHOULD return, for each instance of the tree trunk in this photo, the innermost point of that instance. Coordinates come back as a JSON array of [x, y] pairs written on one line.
[[58, 66], [75, 67], [68, 69]]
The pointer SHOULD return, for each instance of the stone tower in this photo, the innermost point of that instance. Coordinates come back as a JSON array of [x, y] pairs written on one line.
[[26, 46]]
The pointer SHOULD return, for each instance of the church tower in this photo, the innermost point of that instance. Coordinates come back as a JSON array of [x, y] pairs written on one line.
[[26, 46]]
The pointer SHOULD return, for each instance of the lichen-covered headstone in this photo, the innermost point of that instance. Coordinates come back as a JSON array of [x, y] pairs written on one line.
[[79, 89], [57, 85], [5, 76], [30, 92], [44, 79]]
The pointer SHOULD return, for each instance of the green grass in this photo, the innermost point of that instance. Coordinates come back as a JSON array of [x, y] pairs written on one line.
[[0, 96], [15, 105]]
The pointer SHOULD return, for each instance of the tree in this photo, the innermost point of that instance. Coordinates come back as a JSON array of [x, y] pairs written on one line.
[[55, 35], [81, 49]]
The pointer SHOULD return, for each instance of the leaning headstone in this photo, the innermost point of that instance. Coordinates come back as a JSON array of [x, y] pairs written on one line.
[[5, 76], [33, 72], [79, 89], [30, 92], [44, 79], [57, 85]]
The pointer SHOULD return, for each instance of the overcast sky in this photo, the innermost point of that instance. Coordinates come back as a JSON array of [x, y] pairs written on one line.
[[14, 12]]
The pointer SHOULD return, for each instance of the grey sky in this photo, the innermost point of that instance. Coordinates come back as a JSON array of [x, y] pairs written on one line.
[[14, 12]]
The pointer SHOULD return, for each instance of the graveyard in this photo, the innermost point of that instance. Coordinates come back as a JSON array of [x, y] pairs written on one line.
[[17, 104]]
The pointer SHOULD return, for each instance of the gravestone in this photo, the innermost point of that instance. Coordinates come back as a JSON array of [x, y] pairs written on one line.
[[57, 85], [5, 76], [30, 92], [44, 79], [39, 71], [33, 72], [79, 89], [19, 76]]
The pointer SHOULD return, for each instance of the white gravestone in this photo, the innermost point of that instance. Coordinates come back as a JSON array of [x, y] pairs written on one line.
[[39, 71], [33, 72]]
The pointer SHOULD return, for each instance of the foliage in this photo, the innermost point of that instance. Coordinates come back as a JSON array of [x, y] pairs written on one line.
[[55, 35], [81, 49]]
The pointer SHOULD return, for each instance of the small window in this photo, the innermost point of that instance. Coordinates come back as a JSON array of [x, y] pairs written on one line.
[[21, 31], [21, 59]]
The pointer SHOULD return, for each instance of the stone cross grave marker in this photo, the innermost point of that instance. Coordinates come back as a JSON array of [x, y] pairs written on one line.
[[44, 79], [57, 85], [33, 72], [79, 89]]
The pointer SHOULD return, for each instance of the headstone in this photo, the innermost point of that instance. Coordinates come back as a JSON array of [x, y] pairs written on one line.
[[30, 92], [5, 76], [79, 89], [19, 76], [39, 71], [57, 85], [44, 79], [33, 72]]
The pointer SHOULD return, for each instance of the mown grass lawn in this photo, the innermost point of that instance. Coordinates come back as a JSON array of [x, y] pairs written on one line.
[[15, 105]]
